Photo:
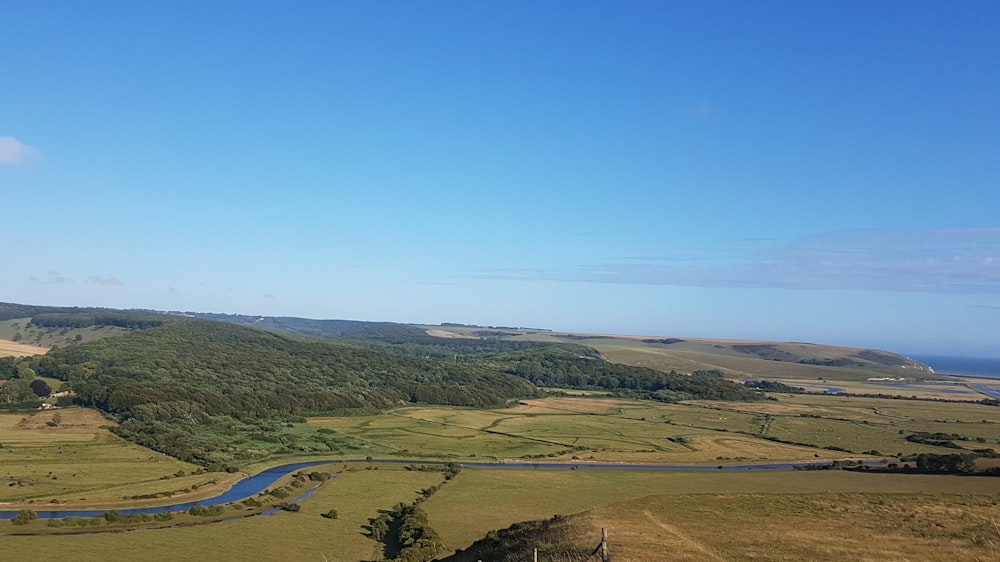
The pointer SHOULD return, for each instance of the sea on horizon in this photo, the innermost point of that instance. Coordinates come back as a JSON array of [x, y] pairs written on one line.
[[965, 366]]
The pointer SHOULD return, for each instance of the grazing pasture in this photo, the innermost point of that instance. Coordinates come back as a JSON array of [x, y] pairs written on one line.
[[482, 500], [793, 427], [572, 429], [67, 455], [769, 527], [68, 458], [357, 496]]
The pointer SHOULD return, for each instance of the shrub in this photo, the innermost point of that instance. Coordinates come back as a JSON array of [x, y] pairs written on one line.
[[24, 516]]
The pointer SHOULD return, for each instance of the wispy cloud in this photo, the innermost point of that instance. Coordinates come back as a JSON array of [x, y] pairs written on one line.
[[13, 151], [104, 280], [56, 278], [51, 278], [933, 261]]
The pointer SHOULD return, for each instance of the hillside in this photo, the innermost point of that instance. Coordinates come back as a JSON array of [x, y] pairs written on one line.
[[696, 527], [735, 358], [738, 359], [217, 393]]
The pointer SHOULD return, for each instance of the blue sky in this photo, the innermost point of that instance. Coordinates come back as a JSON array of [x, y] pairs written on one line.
[[825, 172]]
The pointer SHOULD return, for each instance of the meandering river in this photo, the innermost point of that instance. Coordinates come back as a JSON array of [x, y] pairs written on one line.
[[253, 485]]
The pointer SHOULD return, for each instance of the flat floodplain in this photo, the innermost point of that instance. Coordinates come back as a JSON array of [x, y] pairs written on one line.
[[574, 429], [792, 427], [567, 429], [356, 495], [862, 424]]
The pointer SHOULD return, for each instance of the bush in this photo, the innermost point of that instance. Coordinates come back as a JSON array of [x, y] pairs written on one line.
[[318, 476], [206, 510], [279, 493], [24, 516], [332, 514]]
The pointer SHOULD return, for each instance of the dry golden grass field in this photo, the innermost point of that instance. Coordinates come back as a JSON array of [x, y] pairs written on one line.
[[829, 526], [14, 349]]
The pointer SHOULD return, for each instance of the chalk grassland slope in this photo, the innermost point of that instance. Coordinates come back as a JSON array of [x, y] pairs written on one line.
[[40, 339], [14, 349], [737, 358], [662, 353], [813, 527], [70, 456], [357, 496]]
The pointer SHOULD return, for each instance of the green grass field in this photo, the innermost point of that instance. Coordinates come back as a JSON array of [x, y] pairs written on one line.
[[357, 496], [79, 463], [612, 430]]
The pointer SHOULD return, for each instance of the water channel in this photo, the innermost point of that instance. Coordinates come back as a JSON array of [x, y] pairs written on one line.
[[253, 485]]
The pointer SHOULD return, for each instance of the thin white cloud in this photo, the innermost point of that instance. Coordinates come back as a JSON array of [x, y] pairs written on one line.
[[56, 278], [51, 278], [104, 281], [965, 261], [13, 151]]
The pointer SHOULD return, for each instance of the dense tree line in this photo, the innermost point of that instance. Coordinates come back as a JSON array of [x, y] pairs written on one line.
[[132, 321], [773, 386], [559, 367], [233, 370]]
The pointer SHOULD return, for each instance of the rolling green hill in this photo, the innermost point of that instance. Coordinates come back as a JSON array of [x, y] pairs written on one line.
[[220, 394]]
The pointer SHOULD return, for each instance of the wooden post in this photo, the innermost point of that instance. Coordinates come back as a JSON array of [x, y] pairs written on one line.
[[605, 557], [535, 558], [603, 547]]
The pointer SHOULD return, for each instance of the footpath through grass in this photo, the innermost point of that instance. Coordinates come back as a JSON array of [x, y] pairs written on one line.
[[479, 501]]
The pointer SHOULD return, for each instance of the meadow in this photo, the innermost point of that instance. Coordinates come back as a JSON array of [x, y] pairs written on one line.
[[793, 427], [356, 495], [827, 526], [67, 457], [481, 500], [695, 515]]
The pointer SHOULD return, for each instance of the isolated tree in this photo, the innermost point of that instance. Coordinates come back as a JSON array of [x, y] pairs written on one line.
[[40, 388]]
